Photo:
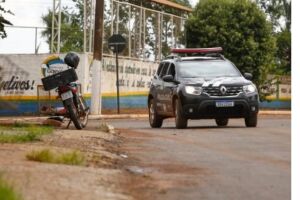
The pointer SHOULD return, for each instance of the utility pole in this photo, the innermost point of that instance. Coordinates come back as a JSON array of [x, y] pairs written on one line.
[[97, 61], [84, 25], [56, 25]]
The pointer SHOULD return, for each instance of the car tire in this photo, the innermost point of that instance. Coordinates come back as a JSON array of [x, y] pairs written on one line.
[[251, 121], [222, 121], [155, 120], [180, 121]]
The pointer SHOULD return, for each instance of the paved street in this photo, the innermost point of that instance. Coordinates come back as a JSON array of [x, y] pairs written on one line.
[[207, 162]]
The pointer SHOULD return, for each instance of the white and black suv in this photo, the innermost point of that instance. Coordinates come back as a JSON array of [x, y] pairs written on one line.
[[201, 84]]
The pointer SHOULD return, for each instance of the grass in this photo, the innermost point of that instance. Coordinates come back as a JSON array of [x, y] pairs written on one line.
[[45, 155], [7, 192], [19, 133]]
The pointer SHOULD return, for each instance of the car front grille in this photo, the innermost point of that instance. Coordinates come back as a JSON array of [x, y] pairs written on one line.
[[216, 91]]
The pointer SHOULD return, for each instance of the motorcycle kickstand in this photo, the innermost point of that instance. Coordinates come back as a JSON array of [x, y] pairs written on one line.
[[69, 124]]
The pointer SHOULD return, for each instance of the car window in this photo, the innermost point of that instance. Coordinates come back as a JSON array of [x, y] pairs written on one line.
[[164, 70], [171, 70], [159, 68], [191, 69]]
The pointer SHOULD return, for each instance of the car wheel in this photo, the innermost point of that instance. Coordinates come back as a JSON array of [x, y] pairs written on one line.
[[180, 121], [251, 121], [222, 122], [154, 119]]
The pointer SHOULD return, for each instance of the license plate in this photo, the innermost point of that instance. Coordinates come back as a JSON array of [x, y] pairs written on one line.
[[66, 95], [221, 104]]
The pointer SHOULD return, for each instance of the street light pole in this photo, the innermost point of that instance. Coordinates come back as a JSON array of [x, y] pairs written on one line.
[[97, 61], [117, 77]]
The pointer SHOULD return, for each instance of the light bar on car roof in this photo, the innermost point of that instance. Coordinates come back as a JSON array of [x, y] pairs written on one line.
[[198, 50]]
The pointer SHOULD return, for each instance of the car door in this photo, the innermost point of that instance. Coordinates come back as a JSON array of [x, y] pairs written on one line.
[[161, 97], [169, 89]]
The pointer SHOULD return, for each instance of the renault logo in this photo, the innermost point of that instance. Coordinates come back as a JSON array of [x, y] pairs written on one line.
[[223, 90]]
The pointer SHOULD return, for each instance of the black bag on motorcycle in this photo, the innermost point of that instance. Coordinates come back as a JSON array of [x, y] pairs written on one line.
[[59, 79]]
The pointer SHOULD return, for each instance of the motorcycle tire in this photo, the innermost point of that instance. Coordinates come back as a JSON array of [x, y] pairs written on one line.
[[84, 111], [73, 114]]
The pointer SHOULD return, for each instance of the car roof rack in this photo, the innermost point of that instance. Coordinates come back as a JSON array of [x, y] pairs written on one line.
[[213, 53]]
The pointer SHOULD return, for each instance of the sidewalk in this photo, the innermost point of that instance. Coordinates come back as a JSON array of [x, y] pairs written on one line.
[[24, 119], [137, 116]]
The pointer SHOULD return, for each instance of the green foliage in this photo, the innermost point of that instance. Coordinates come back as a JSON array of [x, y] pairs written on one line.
[[3, 22], [7, 192], [183, 2], [68, 158], [241, 28], [279, 12], [152, 26], [23, 133], [276, 10], [72, 25], [283, 53], [71, 35], [151, 5], [72, 158]]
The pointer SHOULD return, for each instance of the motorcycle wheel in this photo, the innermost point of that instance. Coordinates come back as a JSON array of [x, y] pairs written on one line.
[[84, 111], [73, 114]]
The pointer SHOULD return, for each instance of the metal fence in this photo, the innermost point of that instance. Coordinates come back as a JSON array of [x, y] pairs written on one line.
[[149, 33]]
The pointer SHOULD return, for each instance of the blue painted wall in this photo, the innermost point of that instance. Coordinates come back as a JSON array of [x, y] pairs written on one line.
[[276, 104], [31, 107]]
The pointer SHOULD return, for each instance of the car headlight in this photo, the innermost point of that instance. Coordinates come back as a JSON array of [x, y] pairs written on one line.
[[193, 90], [249, 88]]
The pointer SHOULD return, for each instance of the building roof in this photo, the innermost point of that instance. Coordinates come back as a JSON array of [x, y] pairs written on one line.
[[173, 5]]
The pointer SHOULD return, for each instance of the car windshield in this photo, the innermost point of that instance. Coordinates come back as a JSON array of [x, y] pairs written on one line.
[[192, 69]]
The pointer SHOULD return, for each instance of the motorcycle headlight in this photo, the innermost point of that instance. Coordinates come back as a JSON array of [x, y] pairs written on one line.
[[193, 90], [249, 88]]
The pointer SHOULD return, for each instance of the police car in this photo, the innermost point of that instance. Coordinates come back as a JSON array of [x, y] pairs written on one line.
[[200, 83]]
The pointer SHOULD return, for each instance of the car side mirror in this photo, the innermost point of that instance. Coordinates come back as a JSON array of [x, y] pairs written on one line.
[[168, 78], [248, 76]]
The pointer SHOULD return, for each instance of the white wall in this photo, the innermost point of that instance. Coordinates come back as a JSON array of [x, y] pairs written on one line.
[[20, 74]]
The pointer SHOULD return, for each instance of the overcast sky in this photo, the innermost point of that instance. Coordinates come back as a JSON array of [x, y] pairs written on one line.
[[26, 13], [193, 2]]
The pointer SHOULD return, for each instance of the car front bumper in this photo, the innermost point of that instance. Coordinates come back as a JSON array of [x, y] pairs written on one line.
[[204, 107]]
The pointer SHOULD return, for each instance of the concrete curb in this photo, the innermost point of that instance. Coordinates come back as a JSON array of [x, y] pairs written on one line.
[[275, 112], [121, 116], [5, 120], [137, 116]]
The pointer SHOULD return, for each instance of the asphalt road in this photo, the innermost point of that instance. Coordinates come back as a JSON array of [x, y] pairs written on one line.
[[209, 163]]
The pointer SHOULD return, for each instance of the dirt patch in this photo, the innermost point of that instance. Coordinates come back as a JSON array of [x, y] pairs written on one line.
[[148, 179], [176, 168], [134, 134], [98, 179], [158, 179]]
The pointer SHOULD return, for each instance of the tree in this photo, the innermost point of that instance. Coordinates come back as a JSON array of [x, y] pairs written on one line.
[[151, 27], [183, 2], [283, 52], [72, 24], [3, 22], [279, 12], [151, 5], [243, 31], [71, 35]]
